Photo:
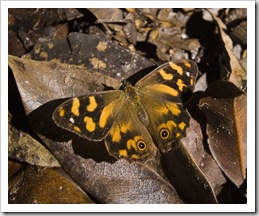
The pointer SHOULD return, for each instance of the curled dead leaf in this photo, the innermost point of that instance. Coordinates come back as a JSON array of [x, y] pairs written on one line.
[[225, 108]]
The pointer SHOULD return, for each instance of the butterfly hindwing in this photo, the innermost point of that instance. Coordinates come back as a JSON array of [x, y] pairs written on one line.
[[128, 137], [161, 96]]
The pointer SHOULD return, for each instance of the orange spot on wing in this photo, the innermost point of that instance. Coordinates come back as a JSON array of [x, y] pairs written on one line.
[[75, 107], [165, 89], [180, 84], [187, 64], [166, 76], [176, 67], [123, 153], [106, 113], [182, 125], [77, 129], [92, 104], [90, 125], [61, 112], [115, 133], [173, 107]]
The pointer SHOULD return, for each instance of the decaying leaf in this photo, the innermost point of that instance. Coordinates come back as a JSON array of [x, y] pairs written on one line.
[[143, 27], [225, 108], [193, 143], [109, 17], [13, 168], [34, 185], [24, 148], [26, 26], [84, 50], [239, 34], [120, 182]]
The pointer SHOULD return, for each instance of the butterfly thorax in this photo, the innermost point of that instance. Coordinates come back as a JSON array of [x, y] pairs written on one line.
[[133, 96]]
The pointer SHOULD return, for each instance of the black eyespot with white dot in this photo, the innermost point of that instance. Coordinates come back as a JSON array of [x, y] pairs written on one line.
[[164, 133], [141, 145]]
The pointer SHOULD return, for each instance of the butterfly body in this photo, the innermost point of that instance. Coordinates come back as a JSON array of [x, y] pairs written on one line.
[[130, 121], [133, 96]]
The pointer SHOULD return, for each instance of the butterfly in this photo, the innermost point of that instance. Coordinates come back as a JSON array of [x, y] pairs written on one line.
[[134, 121]]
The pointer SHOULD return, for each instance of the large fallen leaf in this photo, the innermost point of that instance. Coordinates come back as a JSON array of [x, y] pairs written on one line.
[[120, 182], [95, 52], [38, 82], [225, 108]]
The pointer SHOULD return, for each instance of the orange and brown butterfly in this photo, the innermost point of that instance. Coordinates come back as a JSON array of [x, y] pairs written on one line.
[[133, 121]]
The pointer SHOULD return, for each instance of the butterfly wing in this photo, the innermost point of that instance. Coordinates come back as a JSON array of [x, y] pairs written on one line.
[[161, 96], [90, 116], [128, 137]]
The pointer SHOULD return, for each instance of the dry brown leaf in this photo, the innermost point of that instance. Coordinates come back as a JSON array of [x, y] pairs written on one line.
[[13, 168], [120, 182], [193, 143], [115, 61], [225, 108], [240, 109], [35, 185], [23, 147], [28, 25], [108, 15]]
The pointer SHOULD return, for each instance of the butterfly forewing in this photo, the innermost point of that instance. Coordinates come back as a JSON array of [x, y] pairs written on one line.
[[177, 75], [90, 116]]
